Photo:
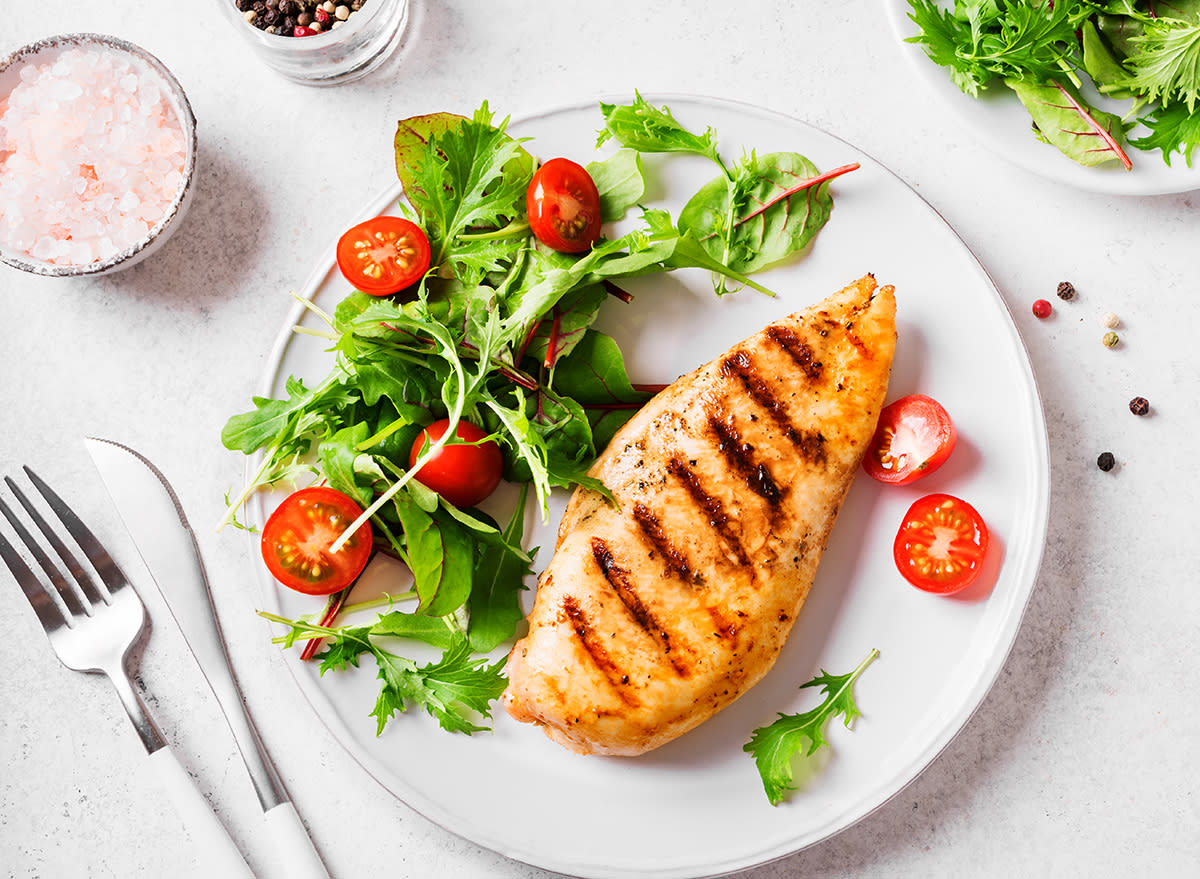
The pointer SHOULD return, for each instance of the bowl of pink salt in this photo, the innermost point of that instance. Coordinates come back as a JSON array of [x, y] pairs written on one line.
[[97, 155]]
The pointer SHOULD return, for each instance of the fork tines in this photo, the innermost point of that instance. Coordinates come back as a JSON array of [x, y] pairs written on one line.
[[76, 600]]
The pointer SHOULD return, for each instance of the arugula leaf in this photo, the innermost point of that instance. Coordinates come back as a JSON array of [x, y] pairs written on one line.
[[775, 747], [433, 631], [284, 421], [649, 129]]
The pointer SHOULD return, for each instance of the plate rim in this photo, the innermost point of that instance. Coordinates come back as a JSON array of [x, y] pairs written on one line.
[[436, 814]]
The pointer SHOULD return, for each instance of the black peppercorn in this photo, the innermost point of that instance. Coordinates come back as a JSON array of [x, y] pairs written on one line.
[[1106, 461], [1139, 406], [1066, 290], [282, 17]]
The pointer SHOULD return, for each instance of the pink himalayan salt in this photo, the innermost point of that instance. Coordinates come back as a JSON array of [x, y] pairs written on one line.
[[91, 156]]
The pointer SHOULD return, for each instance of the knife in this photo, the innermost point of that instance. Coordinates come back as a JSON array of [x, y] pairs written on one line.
[[155, 520]]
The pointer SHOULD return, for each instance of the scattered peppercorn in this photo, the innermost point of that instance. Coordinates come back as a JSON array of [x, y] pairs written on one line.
[[1111, 339], [296, 18], [1066, 290], [1139, 406], [1111, 321], [1106, 461], [1042, 309]]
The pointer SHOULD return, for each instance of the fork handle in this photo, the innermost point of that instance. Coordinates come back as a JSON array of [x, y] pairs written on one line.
[[217, 851]]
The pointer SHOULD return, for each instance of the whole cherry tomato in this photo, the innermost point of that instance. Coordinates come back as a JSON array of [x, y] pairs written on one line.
[[297, 536], [383, 255], [564, 206], [914, 437], [463, 473], [941, 544]]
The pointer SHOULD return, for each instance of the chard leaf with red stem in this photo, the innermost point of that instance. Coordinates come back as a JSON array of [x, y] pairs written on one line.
[[1090, 137], [771, 208]]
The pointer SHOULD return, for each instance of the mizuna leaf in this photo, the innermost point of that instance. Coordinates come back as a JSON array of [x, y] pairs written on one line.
[[1172, 129], [1090, 137], [466, 178], [1165, 62]]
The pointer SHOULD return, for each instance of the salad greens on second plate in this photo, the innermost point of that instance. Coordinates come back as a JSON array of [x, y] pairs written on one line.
[[1143, 52]]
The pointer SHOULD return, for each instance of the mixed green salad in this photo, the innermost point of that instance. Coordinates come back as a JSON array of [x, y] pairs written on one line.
[[503, 264], [1064, 58]]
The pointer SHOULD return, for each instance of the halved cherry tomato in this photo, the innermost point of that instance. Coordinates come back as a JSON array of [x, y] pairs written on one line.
[[914, 437], [564, 206], [383, 255], [297, 537], [941, 544], [463, 474]]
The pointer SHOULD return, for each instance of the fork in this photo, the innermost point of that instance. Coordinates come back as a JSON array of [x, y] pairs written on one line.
[[93, 626]]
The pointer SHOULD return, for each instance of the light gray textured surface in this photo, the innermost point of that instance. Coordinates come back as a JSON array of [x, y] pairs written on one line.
[[1083, 760]]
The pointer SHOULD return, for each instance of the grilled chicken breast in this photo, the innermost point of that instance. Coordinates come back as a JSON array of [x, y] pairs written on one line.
[[658, 612]]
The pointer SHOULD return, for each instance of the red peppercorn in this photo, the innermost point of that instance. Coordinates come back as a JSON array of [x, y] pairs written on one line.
[[321, 15], [1042, 308], [299, 31]]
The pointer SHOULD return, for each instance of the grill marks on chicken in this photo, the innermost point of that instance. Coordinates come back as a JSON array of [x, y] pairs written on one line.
[[714, 511], [658, 612], [675, 559]]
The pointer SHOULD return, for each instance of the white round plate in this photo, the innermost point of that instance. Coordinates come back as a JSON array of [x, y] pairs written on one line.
[[696, 807], [999, 121]]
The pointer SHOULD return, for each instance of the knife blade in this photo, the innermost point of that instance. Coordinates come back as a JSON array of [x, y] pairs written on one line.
[[154, 518]]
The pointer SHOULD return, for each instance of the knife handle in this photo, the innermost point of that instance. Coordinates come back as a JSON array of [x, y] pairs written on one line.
[[293, 846], [217, 851]]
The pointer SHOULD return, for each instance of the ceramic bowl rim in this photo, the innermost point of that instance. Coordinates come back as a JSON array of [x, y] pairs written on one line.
[[187, 123]]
